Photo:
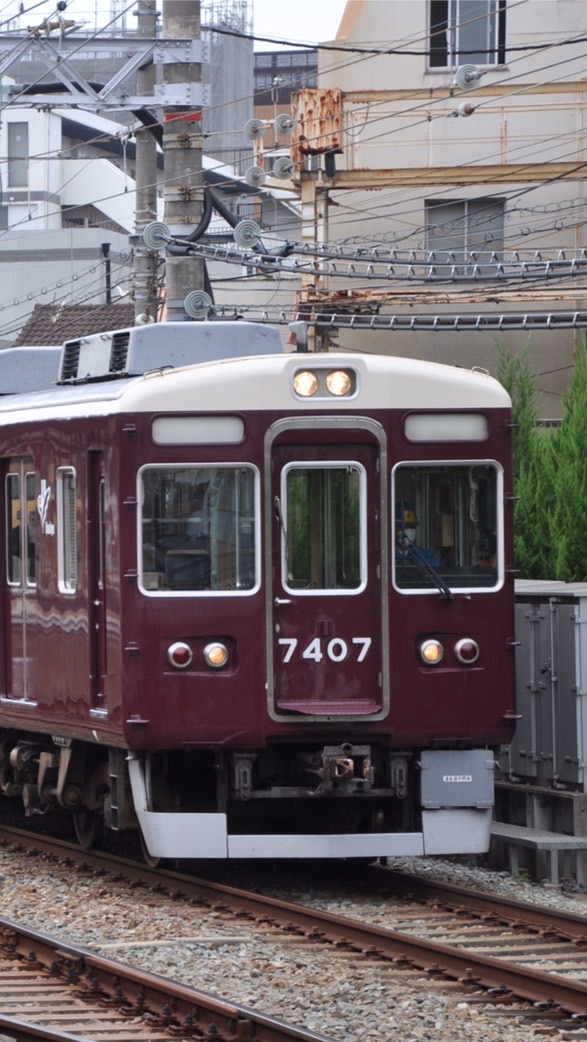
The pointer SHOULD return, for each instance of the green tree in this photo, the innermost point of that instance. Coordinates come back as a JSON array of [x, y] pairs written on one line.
[[568, 522], [550, 474], [533, 469]]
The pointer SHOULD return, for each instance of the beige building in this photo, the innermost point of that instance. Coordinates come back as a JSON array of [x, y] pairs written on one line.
[[445, 156]]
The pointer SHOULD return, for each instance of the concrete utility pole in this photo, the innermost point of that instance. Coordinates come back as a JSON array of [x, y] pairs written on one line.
[[182, 147], [145, 261]]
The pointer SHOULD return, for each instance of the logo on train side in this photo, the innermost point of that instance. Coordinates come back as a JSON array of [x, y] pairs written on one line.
[[42, 506]]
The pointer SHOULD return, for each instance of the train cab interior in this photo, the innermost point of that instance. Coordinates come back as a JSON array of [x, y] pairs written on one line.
[[197, 528], [447, 525]]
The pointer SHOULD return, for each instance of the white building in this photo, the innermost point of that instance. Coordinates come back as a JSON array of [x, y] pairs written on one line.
[[494, 168], [68, 215], [455, 136]]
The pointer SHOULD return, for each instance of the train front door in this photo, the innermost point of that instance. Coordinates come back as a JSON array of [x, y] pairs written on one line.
[[327, 599], [21, 575]]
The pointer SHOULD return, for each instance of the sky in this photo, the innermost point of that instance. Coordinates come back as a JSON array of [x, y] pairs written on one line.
[[302, 21]]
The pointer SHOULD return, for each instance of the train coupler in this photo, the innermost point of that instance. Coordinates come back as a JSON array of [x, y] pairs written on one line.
[[242, 766], [346, 768]]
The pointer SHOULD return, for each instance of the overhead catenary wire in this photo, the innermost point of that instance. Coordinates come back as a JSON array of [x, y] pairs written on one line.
[[62, 289], [485, 157], [351, 273], [513, 193]]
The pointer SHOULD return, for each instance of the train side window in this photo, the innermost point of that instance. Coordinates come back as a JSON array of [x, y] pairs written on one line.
[[66, 530], [198, 529], [21, 528], [13, 534], [447, 525], [31, 528], [324, 544]]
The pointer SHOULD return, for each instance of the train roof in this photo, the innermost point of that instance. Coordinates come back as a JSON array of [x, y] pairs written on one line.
[[381, 381], [24, 369], [138, 349], [265, 382], [133, 351]]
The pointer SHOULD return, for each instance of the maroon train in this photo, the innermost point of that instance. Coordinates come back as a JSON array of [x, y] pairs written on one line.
[[256, 604]]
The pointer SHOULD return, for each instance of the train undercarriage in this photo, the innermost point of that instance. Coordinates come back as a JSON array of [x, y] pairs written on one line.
[[324, 800]]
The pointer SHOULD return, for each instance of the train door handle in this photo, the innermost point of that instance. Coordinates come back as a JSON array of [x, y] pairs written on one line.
[[282, 600]]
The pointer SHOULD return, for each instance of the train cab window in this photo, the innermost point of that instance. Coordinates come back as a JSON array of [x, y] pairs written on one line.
[[447, 527], [323, 512], [66, 531], [21, 528], [198, 529]]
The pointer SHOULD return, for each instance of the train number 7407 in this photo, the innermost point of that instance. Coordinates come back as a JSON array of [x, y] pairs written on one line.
[[336, 649]]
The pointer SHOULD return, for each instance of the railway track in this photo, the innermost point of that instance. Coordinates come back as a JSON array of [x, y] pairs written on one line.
[[492, 949], [50, 990]]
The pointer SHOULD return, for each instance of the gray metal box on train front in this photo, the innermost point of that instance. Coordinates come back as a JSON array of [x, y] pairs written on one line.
[[550, 745], [470, 784]]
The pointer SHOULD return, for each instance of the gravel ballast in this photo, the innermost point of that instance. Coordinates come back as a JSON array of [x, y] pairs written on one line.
[[343, 996]]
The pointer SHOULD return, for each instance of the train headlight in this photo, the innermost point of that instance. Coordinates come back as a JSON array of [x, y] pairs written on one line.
[[216, 655], [431, 652], [305, 383], [179, 655], [340, 382], [467, 651], [324, 383]]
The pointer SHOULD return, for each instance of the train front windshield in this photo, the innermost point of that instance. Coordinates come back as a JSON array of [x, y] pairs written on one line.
[[198, 529], [447, 526]]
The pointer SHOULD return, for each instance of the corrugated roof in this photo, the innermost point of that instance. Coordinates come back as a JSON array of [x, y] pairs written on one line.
[[52, 325]]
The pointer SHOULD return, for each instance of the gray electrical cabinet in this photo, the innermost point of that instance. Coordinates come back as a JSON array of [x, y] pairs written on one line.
[[550, 745]]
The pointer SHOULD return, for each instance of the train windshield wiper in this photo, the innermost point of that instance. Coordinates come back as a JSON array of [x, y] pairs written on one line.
[[427, 569]]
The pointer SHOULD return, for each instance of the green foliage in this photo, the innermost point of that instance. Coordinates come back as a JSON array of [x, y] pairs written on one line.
[[532, 484], [569, 475], [550, 475]]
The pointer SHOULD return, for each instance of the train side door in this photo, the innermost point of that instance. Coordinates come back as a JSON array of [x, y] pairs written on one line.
[[327, 601], [97, 583], [21, 575]]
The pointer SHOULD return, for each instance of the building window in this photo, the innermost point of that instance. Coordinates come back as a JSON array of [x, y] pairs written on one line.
[[278, 74], [465, 234], [18, 154], [467, 32]]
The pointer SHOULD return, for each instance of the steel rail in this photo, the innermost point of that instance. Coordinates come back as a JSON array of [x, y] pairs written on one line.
[[464, 965], [538, 917], [149, 1007]]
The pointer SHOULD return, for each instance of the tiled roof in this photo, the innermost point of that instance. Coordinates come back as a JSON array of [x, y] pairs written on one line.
[[51, 324]]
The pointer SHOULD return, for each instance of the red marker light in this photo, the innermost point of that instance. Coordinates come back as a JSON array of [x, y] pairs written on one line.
[[467, 651], [179, 655]]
